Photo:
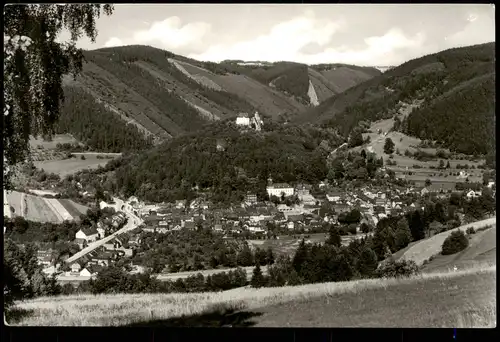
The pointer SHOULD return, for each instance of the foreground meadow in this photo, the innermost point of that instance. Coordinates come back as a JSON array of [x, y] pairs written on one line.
[[445, 299]]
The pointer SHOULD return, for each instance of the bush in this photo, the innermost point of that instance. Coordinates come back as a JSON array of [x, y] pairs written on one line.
[[82, 157], [471, 231], [397, 269], [456, 242]]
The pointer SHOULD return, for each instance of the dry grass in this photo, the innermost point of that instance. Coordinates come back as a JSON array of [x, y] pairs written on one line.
[[477, 316], [120, 309]]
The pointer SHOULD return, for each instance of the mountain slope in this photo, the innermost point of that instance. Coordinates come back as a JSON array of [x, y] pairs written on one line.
[[165, 95], [457, 89]]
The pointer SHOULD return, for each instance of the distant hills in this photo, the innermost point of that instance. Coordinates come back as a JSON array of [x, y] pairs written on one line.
[[456, 89], [152, 95]]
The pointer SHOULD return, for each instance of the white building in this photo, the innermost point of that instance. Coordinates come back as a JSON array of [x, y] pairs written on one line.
[[280, 188], [243, 121]]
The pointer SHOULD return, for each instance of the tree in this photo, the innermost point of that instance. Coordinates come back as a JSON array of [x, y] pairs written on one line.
[[334, 238], [403, 234], [34, 64], [356, 138], [441, 164], [269, 256], [300, 257], [366, 228], [367, 263], [428, 182], [245, 257], [260, 256], [258, 279], [448, 164], [388, 146], [454, 243]]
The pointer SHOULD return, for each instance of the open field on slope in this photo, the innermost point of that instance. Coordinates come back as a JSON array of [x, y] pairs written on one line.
[[482, 249], [73, 208], [427, 248], [51, 145], [257, 94], [40, 209], [70, 166], [436, 299]]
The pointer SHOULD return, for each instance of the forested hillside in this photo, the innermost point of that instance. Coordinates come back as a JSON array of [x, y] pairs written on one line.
[[166, 95], [243, 162], [457, 87], [96, 126]]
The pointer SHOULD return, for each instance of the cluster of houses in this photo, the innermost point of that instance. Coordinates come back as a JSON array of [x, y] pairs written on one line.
[[104, 227], [252, 216]]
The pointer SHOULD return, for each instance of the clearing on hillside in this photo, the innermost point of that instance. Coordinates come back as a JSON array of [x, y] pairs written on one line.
[[40, 209], [427, 248], [69, 166]]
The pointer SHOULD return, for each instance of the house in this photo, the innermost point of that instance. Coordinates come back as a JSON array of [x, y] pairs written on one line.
[[282, 208], [251, 198], [85, 273], [218, 227], [134, 240], [82, 243], [334, 196], [243, 119], [75, 268], [303, 189], [180, 204], [104, 258], [45, 257], [490, 184], [290, 225], [89, 234], [280, 188], [473, 194], [341, 208], [380, 202]]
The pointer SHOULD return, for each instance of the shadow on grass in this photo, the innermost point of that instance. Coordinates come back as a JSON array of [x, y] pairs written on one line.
[[15, 315], [227, 318]]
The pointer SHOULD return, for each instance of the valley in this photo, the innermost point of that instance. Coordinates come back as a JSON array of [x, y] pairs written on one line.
[[178, 192]]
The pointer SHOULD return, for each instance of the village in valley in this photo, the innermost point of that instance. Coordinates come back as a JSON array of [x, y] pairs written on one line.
[[293, 211], [196, 173]]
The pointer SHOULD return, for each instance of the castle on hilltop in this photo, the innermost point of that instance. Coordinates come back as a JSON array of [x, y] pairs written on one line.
[[254, 122]]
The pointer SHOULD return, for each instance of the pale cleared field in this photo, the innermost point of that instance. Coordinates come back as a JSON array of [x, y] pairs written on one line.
[[70, 166], [432, 246], [59, 209], [127, 309], [40, 209]]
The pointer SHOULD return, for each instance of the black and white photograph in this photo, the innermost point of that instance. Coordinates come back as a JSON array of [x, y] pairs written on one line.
[[249, 165]]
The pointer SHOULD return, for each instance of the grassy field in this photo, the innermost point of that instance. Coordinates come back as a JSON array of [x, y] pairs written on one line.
[[433, 299], [70, 166], [51, 145]]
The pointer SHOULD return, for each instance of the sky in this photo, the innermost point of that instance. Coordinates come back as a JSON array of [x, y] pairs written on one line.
[[361, 34]]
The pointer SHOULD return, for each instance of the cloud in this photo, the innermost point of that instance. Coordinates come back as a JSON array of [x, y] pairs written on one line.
[[479, 29], [171, 34], [304, 39], [283, 42], [113, 41]]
